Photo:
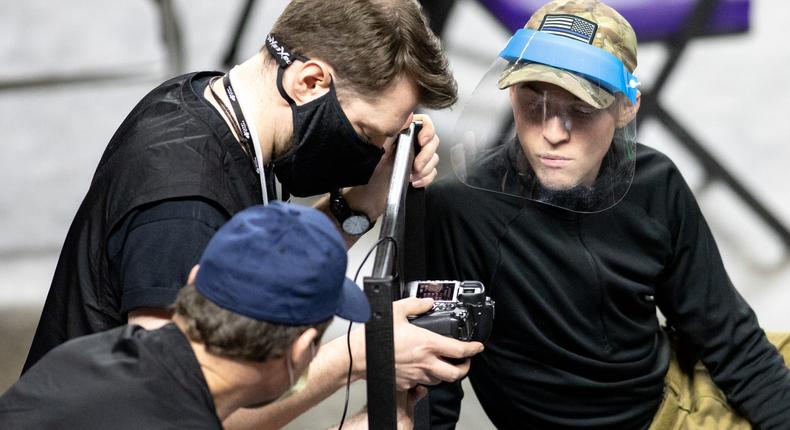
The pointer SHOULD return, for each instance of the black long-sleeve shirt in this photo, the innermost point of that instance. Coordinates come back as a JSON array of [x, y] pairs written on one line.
[[576, 341]]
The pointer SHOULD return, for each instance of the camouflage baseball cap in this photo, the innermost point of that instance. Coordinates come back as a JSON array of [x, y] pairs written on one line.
[[600, 26]]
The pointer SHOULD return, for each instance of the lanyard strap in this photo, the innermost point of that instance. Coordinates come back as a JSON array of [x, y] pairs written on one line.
[[242, 129]]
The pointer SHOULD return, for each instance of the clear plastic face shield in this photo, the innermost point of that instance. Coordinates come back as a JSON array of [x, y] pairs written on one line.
[[554, 121]]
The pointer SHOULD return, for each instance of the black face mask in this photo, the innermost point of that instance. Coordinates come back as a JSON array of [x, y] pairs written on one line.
[[326, 153]]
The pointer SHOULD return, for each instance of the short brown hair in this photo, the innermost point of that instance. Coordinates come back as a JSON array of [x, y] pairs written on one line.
[[231, 335], [370, 43]]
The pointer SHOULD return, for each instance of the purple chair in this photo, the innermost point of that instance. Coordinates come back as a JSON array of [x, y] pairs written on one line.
[[652, 20]]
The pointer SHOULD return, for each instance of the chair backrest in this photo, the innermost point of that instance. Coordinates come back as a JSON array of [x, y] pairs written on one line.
[[653, 20]]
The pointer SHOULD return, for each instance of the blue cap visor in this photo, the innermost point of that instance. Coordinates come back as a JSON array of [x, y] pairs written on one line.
[[590, 62], [354, 305]]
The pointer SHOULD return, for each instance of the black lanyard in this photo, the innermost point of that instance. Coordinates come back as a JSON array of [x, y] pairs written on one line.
[[244, 130], [245, 137]]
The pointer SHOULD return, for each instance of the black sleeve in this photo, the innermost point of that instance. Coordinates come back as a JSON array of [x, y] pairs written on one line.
[[156, 246], [700, 301], [445, 403]]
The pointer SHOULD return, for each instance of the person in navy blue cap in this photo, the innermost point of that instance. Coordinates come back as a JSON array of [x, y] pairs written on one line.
[[245, 327], [282, 264]]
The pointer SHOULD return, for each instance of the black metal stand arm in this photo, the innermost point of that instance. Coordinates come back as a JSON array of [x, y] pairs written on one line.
[[383, 287]]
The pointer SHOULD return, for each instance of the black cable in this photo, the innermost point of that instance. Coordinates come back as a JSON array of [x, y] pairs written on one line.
[[348, 378], [348, 334], [372, 248]]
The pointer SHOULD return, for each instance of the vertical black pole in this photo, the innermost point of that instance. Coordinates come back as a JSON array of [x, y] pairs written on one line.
[[384, 286], [380, 354]]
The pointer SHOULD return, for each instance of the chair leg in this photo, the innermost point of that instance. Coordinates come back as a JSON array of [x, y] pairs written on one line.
[[715, 170], [171, 35], [229, 59]]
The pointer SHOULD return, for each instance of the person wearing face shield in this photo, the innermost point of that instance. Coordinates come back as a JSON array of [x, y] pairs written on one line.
[[244, 328], [581, 234], [314, 113]]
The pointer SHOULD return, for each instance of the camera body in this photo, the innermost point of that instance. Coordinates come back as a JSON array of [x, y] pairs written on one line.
[[461, 309]]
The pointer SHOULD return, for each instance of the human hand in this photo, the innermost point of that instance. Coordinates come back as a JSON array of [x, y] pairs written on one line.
[[423, 171], [372, 197], [420, 354], [405, 402]]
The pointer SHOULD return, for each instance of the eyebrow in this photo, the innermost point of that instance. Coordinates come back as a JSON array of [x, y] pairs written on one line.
[[385, 133]]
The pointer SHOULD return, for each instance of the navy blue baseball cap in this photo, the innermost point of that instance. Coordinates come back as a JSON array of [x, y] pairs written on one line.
[[283, 264]]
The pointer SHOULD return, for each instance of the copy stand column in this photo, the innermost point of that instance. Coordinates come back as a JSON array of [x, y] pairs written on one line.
[[380, 354]]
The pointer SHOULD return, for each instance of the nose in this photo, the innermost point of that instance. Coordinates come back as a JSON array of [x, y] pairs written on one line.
[[556, 129]]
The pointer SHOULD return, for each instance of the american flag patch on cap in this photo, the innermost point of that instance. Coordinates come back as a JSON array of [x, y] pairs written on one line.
[[570, 26]]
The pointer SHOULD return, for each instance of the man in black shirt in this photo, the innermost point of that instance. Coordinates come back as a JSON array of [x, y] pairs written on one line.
[[580, 235], [315, 111], [245, 327]]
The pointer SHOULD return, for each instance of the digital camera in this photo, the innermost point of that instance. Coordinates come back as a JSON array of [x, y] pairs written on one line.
[[461, 309]]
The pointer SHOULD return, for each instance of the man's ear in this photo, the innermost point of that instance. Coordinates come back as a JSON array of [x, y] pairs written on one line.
[[309, 80], [302, 350], [193, 274], [628, 111]]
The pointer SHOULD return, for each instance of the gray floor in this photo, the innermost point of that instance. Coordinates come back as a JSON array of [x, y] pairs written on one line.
[[731, 92]]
